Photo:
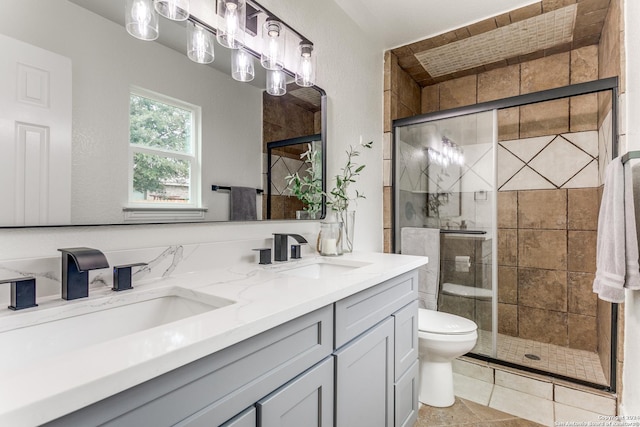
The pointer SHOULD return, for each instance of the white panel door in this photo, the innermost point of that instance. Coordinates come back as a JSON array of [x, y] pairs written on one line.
[[35, 135]]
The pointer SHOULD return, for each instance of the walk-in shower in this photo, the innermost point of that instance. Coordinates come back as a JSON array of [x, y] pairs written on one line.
[[514, 187]]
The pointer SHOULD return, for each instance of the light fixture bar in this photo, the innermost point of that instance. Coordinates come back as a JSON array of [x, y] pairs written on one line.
[[142, 23], [267, 12], [246, 48]]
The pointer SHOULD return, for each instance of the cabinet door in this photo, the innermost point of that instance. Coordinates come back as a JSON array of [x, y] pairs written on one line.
[[306, 401], [245, 419], [364, 379], [406, 338], [406, 397]]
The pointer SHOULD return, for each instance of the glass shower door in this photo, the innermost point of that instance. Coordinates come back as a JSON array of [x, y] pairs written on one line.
[[446, 191]]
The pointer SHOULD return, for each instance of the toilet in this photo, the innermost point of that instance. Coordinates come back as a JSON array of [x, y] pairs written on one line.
[[441, 338]]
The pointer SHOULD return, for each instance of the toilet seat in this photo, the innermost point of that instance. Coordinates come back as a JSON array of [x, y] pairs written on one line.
[[437, 322], [456, 290]]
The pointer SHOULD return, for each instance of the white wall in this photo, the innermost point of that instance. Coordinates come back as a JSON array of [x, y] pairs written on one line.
[[350, 69], [630, 125]]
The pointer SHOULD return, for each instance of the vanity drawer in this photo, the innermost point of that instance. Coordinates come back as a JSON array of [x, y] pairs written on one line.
[[406, 336], [359, 312], [215, 388], [406, 397], [246, 419]]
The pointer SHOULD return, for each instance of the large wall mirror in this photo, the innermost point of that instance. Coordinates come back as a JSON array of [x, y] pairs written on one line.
[[97, 127]]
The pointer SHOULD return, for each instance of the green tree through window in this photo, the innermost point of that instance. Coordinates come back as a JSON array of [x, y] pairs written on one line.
[[161, 138]]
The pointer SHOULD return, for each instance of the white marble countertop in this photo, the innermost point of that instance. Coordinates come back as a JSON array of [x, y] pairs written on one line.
[[263, 297]]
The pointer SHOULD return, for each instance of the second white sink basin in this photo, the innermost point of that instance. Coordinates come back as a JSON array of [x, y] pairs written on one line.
[[66, 329], [323, 267]]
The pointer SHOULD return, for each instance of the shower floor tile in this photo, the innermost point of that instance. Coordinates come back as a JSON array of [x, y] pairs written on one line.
[[579, 364]]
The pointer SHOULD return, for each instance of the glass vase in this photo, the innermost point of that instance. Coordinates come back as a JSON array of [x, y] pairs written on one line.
[[330, 239], [348, 220]]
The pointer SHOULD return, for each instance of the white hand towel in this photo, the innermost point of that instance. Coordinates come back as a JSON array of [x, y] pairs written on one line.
[[617, 245], [425, 242]]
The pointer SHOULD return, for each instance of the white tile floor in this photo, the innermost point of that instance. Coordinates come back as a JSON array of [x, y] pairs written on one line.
[[579, 364], [539, 398]]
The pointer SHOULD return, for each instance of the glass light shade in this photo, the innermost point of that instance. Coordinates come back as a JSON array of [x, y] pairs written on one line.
[[306, 70], [176, 10], [199, 44], [242, 65], [141, 20], [273, 45], [276, 82], [231, 28]]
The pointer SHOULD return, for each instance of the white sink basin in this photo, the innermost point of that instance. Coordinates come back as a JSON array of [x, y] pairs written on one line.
[[324, 267], [68, 328]]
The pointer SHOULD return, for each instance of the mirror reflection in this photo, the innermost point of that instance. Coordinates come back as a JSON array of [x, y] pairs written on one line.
[[108, 129], [296, 188]]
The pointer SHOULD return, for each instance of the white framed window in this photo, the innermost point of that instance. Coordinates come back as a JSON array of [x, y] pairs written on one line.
[[164, 155]]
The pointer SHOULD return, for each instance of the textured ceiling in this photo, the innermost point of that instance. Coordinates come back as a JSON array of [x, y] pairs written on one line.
[[540, 29], [531, 35]]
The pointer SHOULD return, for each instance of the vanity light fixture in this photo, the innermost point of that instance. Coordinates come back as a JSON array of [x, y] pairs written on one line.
[[235, 19], [273, 45], [306, 70], [276, 82], [242, 65], [176, 10], [450, 153], [199, 44], [232, 26], [141, 19]]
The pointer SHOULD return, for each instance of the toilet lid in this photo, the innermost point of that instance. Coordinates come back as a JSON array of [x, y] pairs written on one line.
[[438, 322]]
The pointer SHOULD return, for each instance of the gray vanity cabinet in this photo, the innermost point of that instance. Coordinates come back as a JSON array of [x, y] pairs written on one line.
[[406, 397], [306, 401], [247, 418], [406, 365], [352, 363], [364, 379], [376, 355]]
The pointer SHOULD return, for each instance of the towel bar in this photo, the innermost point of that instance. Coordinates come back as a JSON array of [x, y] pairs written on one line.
[[226, 188], [630, 155]]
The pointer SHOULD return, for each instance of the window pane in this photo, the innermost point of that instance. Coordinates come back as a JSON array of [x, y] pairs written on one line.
[[160, 179], [155, 124]]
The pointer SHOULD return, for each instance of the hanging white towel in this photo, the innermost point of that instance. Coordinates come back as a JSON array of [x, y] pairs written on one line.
[[617, 245], [425, 242]]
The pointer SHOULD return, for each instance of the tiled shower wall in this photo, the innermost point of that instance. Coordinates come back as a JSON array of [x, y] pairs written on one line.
[[546, 258], [547, 237], [403, 97], [610, 60], [549, 173]]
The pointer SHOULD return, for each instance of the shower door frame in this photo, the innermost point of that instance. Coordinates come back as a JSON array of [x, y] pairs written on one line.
[[601, 85]]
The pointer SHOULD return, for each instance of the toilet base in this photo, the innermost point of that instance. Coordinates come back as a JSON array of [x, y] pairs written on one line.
[[436, 384]]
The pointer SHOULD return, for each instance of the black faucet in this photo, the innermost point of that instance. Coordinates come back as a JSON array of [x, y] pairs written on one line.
[[280, 248], [76, 263], [122, 276], [23, 292]]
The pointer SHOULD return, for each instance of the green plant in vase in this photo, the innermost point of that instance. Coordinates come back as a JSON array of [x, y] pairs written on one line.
[[308, 188], [339, 197]]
